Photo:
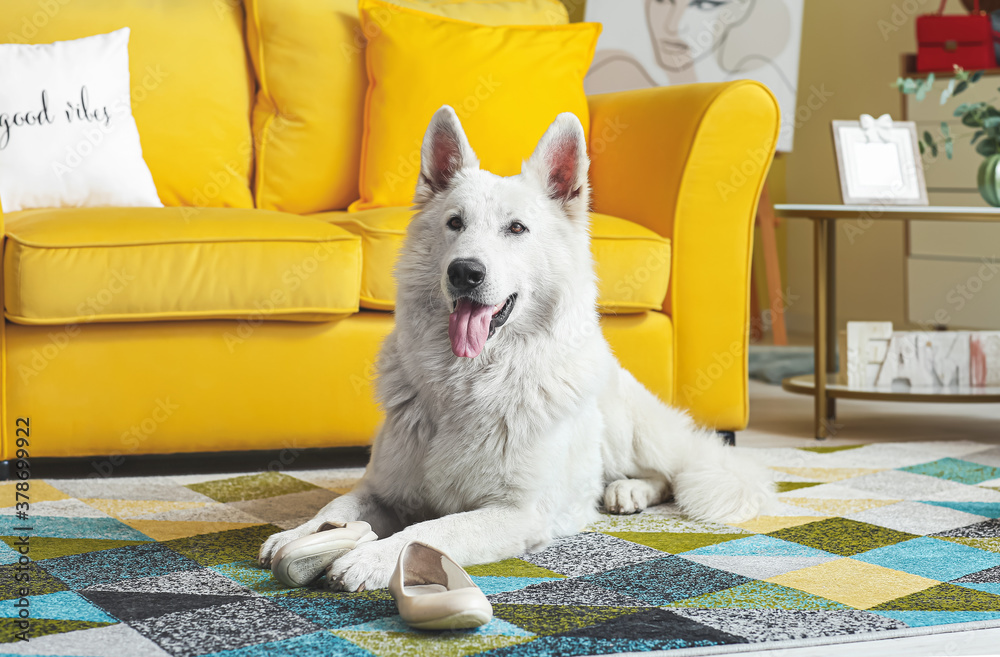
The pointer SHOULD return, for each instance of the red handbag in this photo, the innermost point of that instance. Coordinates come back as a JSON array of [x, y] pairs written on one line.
[[946, 41]]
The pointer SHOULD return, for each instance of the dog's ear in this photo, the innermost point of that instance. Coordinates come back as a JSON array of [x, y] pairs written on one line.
[[559, 164], [444, 153]]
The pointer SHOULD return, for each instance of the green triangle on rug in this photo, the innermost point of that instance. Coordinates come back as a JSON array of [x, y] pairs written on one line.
[[760, 595], [675, 542], [48, 547], [511, 568], [943, 597], [829, 450], [428, 644], [554, 619], [251, 487], [44, 627]]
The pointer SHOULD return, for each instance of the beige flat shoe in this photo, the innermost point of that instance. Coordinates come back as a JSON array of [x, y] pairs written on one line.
[[432, 592], [303, 561]]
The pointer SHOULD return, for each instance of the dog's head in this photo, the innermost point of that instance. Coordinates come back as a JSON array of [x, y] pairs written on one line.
[[499, 253]]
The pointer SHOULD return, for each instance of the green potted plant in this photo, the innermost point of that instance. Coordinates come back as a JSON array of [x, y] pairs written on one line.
[[982, 118]]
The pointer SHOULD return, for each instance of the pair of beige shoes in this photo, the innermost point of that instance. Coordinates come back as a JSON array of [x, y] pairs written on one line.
[[431, 591]]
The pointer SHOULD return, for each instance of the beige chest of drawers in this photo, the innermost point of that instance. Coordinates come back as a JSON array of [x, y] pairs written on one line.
[[945, 261]]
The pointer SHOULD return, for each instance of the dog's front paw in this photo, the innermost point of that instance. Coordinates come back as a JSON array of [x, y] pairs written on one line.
[[626, 496], [366, 567], [276, 541]]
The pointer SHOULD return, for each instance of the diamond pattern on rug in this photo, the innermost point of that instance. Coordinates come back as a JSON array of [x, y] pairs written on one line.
[[589, 553], [224, 627], [84, 640], [337, 611], [964, 472], [755, 567], [511, 568], [14, 576], [985, 457], [931, 558], [854, 583], [944, 597], [919, 518], [662, 581], [52, 548], [108, 529], [867, 539], [557, 592], [128, 606], [317, 643], [759, 595], [985, 509], [64, 605], [41, 627], [841, 536], [251, 487], [759, 626], [555, 619], [82, 570]]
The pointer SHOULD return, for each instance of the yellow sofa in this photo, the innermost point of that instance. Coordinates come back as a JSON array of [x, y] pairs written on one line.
[[244, 317]]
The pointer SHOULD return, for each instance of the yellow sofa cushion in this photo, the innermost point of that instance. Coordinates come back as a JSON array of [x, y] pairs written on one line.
[[191, 85], [633, 263], [506, 83], [310, 63], [141, 264]]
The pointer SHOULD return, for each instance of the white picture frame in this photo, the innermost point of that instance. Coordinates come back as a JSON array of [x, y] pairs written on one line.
[[879, 168]]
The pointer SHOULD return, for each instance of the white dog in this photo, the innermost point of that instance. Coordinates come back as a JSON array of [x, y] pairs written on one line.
[[506, 414]]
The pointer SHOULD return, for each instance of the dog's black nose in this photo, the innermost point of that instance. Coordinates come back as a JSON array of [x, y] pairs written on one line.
[[466, 274]]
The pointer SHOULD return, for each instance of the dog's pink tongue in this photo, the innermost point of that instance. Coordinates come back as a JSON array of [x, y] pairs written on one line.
[[469, 327]]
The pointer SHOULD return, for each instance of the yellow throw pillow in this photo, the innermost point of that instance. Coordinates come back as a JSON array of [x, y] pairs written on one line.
[[309, 56], [506, 83], [494, 12]]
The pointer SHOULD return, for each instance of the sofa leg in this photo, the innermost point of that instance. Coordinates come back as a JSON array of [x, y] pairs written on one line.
[[728, 437], [4, 470]]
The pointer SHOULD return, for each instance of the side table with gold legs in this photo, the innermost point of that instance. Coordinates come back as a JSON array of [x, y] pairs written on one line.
[[826, 389]]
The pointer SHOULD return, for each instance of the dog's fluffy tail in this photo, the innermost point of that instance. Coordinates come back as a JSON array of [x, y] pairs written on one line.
[[710, 480], [720, 483]]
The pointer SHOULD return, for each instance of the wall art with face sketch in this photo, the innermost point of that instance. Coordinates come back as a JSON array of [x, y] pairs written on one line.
[[651, 43]]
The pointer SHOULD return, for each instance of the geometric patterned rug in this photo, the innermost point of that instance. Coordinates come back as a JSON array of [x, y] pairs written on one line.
[[870, 541]]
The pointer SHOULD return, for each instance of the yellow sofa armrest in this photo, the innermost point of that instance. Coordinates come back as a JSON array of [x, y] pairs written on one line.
[[689, 162]]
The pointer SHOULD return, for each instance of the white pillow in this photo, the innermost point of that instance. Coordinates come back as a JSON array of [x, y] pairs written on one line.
[[67, 136]]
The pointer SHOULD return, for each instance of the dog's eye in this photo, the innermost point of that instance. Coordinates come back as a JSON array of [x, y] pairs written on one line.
[[517, 228], [455, 223]]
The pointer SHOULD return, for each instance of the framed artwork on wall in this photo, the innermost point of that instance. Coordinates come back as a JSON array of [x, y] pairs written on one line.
[[653, 43]]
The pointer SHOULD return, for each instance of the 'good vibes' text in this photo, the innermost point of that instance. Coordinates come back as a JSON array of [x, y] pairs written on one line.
[[75, 111]]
